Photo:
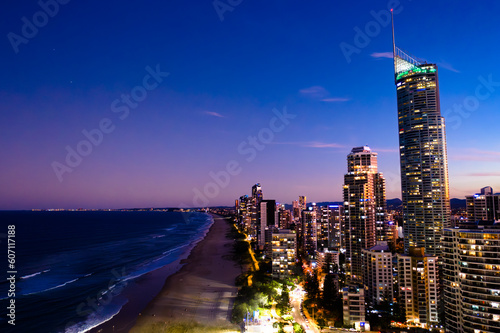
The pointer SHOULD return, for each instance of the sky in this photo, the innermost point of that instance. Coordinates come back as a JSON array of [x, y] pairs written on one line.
[[121, 104]]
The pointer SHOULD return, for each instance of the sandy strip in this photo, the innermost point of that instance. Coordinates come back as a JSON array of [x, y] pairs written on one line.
[[203, 290]]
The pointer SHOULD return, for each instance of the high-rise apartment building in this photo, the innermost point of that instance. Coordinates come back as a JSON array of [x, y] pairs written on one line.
[[243, 214], [284, 217], [418, 287], [381, 226], [257, 192], [353, 304], [256, 198], [360, 207], [335, 232], [283, 253], [309, 232], [483, 206], [471, 270], [378, 275], [267, 221], [295, 211], [299, 207], [323, 226], [328, 260], [423, 156], [302, 202]]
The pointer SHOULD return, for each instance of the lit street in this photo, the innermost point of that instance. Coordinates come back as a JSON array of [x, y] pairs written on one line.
[[296, 298]]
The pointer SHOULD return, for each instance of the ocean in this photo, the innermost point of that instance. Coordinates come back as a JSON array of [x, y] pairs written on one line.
[[73, 266]]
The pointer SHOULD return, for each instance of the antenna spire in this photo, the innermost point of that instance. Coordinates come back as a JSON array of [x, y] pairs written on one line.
[[393, 40]]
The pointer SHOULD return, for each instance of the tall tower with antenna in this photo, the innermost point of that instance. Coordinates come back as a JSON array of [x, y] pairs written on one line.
[[423, 156]]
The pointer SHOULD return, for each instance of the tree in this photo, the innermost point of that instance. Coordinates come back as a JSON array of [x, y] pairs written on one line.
[[312, 285], [330, 292], [338, 311], [297, 328]]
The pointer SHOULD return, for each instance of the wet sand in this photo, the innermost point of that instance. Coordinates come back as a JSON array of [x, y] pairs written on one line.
[[202, 291]]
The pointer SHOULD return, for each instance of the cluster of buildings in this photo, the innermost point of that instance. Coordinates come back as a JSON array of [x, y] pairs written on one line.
[[448, 273], [284, 235]]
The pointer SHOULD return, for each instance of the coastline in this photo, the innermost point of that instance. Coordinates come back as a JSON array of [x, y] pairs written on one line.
[[180, 291], [203, 290], [141, 291]]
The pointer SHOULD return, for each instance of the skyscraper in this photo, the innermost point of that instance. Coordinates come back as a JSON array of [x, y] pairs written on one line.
[[284, 217], [353, 304], [309, 232], [418, 287], [336, 220], [484, 206], [267, 222], [283, 253], [360, 207], [381, 226], [377, 277], [324, 223], [472, 278], [302, 202], [422, 145], [256, 198], [244, 213]]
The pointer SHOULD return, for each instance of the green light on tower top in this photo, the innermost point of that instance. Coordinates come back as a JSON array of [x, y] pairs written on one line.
[[415, 71]]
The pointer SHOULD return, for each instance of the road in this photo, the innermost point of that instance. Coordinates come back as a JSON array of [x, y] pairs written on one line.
[[296, 298]]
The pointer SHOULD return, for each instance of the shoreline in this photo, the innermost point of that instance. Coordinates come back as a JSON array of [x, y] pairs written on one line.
[[179, 290], [142, 290]]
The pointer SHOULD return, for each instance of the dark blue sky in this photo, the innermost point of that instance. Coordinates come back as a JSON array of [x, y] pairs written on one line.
[[225, 79]]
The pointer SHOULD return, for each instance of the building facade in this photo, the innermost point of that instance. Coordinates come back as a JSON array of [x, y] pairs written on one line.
[[423, 155], [284, 217], [381, 227], [328, 261], [284, 253], [244, 213], [360, 207], [335, 232], [256, 198], [353, 304], [378, 275], [471, 270], [483, 206], [418, 287], [268, 221], [309, 232], [323, 225]]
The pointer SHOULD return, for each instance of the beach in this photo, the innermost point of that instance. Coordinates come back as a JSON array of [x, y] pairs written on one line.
[[202, 291]]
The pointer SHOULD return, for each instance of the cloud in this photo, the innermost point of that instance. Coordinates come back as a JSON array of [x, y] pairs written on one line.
[[484, 174], [382, 55], [447, 66], [214, 114], [314, 92], [312, 144], [478, 155], [474, 158], [316, 144], [486, 152], [335, 99], [320, 93], [385, 150]]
